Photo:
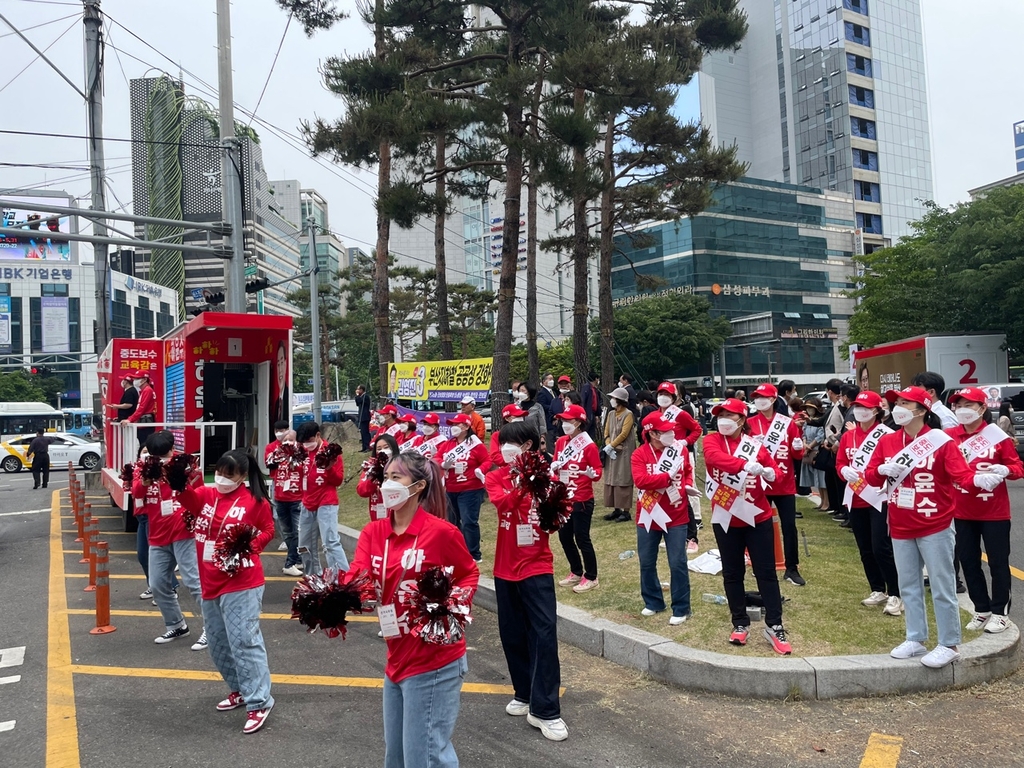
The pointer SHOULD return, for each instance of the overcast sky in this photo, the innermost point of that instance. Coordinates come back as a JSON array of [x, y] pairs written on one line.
[[975, 95]]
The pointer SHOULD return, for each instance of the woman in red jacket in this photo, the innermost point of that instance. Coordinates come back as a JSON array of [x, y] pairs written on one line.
[[464, 458], [917, 467], [981, 514], [319, 515], [783, 439], [578, 464], [422, 682], [232, 603], [738, 466], [510, 414], [524, 588], [368, 488], [868, 522], [660, 468]]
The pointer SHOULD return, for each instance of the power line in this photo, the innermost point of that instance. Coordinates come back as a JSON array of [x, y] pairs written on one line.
[[39, 55], [271, 72], [205, 145], [117, 55], [43, 24]]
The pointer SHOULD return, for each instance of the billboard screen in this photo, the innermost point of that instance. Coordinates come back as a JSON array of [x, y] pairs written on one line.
[[35, 244]]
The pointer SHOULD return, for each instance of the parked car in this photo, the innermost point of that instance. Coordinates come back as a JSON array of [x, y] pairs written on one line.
[[64, 448]]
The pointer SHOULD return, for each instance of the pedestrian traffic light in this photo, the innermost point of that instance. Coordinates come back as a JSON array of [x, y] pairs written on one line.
[[213, 297], [255, 286]]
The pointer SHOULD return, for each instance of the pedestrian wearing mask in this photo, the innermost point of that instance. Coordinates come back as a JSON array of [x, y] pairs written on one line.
[[388, 424], [370, 480], [526, 398], [407, 432], [626, 383], [984, 515], [510, 414], [464, 459], [814, 441], [546, 396], [319, 502], [556, 407], [578, 464], [145, 412], [619, 444], [687, 427], [286, 479], [917, 466], [432, 437]]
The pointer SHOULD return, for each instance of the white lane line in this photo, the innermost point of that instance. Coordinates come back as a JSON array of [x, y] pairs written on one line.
[[26, 512], [12, 657], [11, 679], [7, 725]]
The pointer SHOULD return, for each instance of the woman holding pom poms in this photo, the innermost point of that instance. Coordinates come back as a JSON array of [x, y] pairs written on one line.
[[384, 447], [422, 680], [524, 583], [233, 525]]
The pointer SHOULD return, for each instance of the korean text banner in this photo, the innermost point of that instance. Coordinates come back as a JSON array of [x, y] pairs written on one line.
[[445, 380]]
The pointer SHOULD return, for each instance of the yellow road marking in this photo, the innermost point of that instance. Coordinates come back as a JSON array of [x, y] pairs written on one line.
[[142, 577], [191, 615], [324, 680], [883, 751], [61, 717], [1013, 571]]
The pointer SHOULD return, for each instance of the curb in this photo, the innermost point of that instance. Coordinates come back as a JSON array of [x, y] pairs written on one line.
[[984, 659]]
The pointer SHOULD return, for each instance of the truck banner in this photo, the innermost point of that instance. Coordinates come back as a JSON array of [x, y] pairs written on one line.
[[445, 380]]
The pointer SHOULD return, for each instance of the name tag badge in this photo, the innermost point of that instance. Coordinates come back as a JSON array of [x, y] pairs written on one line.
[[524, 535], [286, 486], [208, 547], [674, 496], [563, 476], [388, 620], [166, 508], [303, 482], [905, 498], [460, 467], [380, 511]]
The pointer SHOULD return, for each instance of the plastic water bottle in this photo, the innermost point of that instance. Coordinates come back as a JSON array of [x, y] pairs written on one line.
[[716, 599], [626, 555]]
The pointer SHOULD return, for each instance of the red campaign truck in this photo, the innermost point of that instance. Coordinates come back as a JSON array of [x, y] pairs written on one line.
[[221, 381]]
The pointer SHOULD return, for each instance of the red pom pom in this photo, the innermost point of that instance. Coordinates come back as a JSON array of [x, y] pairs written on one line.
[[189, 519], [327, 455], [234, 546], [290, 454], [151, 469], [437, 611], [373, 468], [320, 601], [531, 473], [127, 477], [553, 512], [180, 470]]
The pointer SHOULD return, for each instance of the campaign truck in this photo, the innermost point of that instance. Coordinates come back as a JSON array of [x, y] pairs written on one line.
[[967, 360]]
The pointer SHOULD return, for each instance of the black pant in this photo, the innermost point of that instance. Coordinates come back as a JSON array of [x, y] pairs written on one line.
[[996, 534], [527, 626], [759, 542], [835, 500], [40, 465], [691, 527], [143, 434], [575, 538], [786, 506], [871, 531], [364, 434]]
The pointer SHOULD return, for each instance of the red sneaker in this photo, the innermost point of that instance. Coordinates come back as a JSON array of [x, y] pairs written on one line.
[[234, 701], [777, 637], [257, 719], [739, 635]]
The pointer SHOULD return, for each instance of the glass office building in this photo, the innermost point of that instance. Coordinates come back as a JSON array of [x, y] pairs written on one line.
[[774, 258]]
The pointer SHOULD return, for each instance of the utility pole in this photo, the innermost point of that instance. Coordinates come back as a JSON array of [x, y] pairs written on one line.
[[314, 315], [235, 299], [93, 22]]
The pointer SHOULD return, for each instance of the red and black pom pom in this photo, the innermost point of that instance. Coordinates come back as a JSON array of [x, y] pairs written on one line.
[[151, 469], [180, 470], [189, 519], [373, 468], [234, 546], [321, 601], [290, 455], [127, 477], [531, 472], [437, 611], [554, 510], [327, 455]]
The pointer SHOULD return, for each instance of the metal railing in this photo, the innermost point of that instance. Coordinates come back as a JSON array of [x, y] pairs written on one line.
[[125, 447]]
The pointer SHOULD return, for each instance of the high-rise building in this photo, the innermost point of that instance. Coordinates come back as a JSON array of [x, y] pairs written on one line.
[[831, 94], [1018, 145], [176, 160], [297, 205]]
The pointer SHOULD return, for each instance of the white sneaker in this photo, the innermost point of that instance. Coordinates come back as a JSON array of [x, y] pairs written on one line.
[[875, 598], [147, 595], [979, 621], [908, 650], [571, 580], [647, 612], [893, 606], [517, 708], [586, 585], [997, 624], [200, 644], [292, 570], [675, 621], [283, 547], [552, 730], [940, 657]]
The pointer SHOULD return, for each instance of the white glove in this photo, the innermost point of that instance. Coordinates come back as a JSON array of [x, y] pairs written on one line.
[[448, 463], [555, 466], [693, 493], [590, 472], [479, 474], [768, 474], [753, 468], [987, 481], [610, 452], [889, 469], [999, 469], [798, 444], [850, 474]]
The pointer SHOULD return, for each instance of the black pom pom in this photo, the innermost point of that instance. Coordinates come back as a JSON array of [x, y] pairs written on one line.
[[321, 601], [327, 455]]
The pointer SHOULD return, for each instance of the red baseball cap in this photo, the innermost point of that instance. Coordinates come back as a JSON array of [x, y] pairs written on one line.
[[566, 379], [916, 394], [573, 412], [430, 418], [459, 418], [767, 390], [971, 394], [388, 410], [868, 399], [667, 386], [655, 421], [408, 418], [512, 411], [732, 405]]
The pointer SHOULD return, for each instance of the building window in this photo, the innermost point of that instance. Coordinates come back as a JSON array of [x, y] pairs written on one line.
[[867, 191], [165, 308], [859, 6], [855, 33], [75, 324], [863, 128], [164, 321], [870, 223], [865, 160], [862, 97], [144, 328], [120, 296], [120, 317], [54, 289], [859, 65], [17, 344]]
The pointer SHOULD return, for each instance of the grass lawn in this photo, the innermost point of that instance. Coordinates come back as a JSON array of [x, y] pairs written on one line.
[[824, 618]]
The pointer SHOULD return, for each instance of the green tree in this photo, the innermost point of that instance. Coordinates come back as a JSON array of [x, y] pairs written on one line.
[[470, 308], [18, 387], [554, 358]]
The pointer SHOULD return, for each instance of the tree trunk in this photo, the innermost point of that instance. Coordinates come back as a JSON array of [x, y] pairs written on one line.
[[532, 355], [605, 310], [580, 264], [381, 291], [444, 326]]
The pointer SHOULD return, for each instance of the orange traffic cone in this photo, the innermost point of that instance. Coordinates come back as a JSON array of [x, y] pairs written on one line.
[[780, 558]]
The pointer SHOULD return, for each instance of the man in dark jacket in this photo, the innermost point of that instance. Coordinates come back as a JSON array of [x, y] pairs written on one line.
[[592, 403], [39, 453], [363, 405]]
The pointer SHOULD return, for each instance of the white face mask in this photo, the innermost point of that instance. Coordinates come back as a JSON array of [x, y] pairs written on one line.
[[509, 452], [563, 391], [862, 414], [520, 396], [549, 383], [137, 383], [623, 384], [280, 435], [456, 431], [568, 427], [395, 493], [386, 451], [727, 426], [967, 415], [762, 403], [667, 438], [664, 401], [310, 446], [902, 415], [225, 484], [613, 402], [429, 429]]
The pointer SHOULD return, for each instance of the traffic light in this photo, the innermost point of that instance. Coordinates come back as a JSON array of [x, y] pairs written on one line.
[[40, 370], [255, 286], [213, 297]]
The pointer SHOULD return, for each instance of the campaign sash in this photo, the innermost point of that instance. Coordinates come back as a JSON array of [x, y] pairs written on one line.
[[429, 447], [872, 495], [668, 463], [461, 450], [671, 413], [919, 450], [393, 429], [982, 442], [573, 450], [776, 434], [728, 497], [671, 458]]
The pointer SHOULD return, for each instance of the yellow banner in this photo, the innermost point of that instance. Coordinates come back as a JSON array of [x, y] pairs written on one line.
[[445, 380]]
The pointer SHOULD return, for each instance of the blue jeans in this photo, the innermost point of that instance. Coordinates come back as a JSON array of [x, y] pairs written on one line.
[[323, 522], [142, 543], [419, 718], [935, 552], [164, 584], [465, 506], [237, 647], [288, 513], [650, 584]]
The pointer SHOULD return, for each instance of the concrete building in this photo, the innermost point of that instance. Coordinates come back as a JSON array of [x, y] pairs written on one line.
[[176, 174], [773, 258], [1018, 145], [830, 94], [297, 205]]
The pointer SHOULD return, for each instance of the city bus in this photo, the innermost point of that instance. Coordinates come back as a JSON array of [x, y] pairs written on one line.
[[17, 419], [79, 421]]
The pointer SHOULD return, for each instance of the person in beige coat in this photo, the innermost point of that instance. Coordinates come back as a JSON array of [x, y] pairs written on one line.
[[619, 443]]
